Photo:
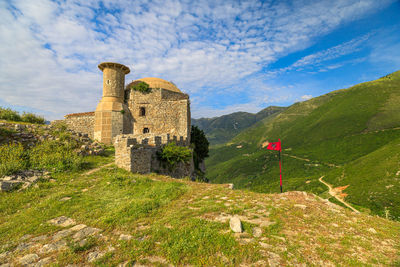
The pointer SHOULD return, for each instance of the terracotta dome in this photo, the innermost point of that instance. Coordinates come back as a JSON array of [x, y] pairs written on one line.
[[159, 83]]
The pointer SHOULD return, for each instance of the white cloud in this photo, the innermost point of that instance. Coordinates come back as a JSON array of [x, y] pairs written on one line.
[[50, 50], [317, 59], [305, 97]]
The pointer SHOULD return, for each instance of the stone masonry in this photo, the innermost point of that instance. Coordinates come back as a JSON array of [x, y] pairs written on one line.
[[81, 123], [138, 123], [138, 153]]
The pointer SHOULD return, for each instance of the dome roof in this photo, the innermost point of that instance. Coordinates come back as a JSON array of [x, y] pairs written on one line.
[[159, 83]]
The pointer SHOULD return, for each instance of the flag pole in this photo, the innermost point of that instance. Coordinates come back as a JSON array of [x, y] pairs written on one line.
[[280, 165]]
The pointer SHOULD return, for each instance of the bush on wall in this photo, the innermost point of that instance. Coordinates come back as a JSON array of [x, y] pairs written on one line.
[[173, 154], [141, 87]]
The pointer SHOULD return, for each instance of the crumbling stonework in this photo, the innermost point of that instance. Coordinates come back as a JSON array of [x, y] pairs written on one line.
[[139, 154], [81, 123]]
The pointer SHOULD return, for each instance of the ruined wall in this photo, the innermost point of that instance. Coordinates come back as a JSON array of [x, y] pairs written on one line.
[[81, 123], [165, 112], [139, 154]]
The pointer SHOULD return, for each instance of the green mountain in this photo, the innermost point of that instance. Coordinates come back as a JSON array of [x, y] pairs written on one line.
[[219, 130], [350, 136]]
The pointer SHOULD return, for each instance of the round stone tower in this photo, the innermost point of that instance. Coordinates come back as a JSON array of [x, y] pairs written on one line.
[[112, 115]]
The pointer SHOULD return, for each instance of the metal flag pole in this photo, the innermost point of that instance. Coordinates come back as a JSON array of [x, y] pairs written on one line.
[[280, 164]]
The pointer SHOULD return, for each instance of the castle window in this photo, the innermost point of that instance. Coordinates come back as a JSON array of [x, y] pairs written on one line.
[[146, 130], [142, 111]]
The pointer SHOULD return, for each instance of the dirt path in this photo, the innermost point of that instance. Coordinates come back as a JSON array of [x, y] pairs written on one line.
[[308, 160], [97, 169], [333, 193]]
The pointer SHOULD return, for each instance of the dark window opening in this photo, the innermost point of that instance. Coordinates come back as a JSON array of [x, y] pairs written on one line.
[[142, 111], [146, 130]]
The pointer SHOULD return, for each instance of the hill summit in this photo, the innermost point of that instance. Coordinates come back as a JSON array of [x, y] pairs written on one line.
[[349, 136]]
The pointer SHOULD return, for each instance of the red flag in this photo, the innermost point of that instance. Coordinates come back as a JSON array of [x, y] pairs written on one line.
[[274, 146]]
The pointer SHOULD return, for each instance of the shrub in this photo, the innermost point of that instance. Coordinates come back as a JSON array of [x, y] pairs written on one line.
[[173, 154], [32, 118], [141, 87], [12, 159], [9, 115], [56, 156]]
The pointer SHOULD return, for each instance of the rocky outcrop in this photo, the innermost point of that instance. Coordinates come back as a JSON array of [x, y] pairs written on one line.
[[22, 180]]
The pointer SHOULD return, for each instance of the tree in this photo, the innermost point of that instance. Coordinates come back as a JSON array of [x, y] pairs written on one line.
[[200, 143]]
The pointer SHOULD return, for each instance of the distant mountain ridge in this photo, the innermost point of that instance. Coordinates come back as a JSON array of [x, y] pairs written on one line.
[[349, 136], [221, 129]]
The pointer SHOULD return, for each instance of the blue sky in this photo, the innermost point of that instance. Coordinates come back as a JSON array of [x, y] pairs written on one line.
[[227, 55]]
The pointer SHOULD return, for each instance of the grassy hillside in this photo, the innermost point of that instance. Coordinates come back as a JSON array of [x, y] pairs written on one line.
[[221, 129], [347, 133], [112, 216]]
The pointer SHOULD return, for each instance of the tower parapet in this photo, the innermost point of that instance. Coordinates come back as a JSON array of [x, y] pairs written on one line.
[[112, 116]]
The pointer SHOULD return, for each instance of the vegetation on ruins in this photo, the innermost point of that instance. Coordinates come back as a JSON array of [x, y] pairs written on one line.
[[12, 115], [173, 154], [141, 87]]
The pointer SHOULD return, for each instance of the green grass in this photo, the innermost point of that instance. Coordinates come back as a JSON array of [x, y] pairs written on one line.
[[166, 219], [115, 200], [356, 129]]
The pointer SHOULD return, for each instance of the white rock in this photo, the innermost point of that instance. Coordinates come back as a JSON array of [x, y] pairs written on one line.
[[236, 224], [62, 221], [61, 234], [93, 256], [125, 237], [85, 232], [78, 227], [43, 262], [28, 259], [257, 231], [372, 230]]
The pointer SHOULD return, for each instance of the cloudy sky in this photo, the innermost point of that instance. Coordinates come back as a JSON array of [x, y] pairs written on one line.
[[228, 55]]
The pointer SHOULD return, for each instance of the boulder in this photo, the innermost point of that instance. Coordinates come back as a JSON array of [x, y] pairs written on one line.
[[236, 224], [28, 259]]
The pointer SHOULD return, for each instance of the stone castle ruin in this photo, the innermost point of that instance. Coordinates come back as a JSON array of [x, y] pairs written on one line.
[[137, 123]]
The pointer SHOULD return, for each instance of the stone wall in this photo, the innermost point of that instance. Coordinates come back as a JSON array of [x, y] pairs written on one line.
[[139, 154], [81, 123], [165, 112]]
